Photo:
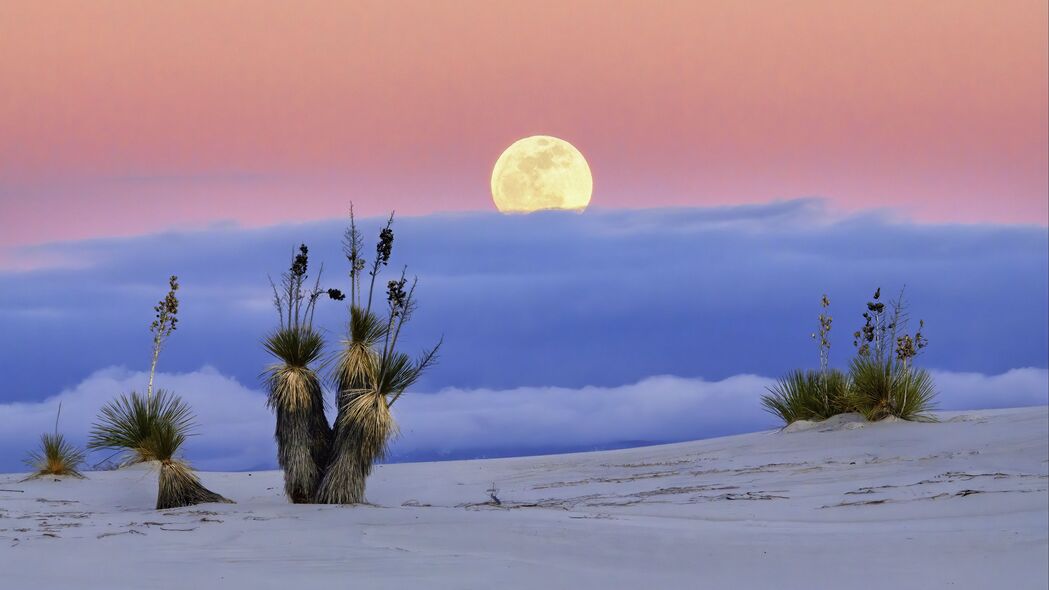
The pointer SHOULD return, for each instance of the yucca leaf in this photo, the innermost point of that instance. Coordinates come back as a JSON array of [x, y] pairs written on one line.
[[145, 428]]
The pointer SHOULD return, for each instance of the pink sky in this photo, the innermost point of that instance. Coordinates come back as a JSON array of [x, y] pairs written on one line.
[[121, 118]]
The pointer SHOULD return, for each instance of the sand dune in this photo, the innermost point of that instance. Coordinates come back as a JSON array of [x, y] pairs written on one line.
[[958, 504]]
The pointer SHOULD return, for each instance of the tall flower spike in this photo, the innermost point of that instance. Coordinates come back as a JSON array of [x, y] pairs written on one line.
[[396, 296], [385, 246], [383, 250], [301, 262], [165, 323]]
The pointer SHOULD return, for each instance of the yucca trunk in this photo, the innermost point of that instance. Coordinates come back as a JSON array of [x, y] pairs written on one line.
[[303, 446], [343, 481], [362, 435], [179, 487], [302, 433]]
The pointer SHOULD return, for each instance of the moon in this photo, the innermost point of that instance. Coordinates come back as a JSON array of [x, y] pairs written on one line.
[[541, 172]]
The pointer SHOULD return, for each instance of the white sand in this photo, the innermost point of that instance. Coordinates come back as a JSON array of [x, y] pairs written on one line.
[[959, 504]]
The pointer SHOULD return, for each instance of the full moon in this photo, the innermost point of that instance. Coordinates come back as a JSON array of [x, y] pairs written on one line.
[[541, 172]]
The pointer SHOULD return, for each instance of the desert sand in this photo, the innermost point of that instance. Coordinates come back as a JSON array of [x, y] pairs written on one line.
[[962, 503]]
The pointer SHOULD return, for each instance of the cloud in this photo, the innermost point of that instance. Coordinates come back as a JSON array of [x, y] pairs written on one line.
[[235, 427], [974, 391], [478, 422], [602, 298]]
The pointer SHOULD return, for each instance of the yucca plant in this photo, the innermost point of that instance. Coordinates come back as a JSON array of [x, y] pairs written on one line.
[[365, 424], [153, 428], [179, 485], [295, 393], [56, 455], [369, 374], [884, 388], [128, 421], [812, 395], [887, 384], [809, 395], [787, 398], [878, 385], [126, 424]]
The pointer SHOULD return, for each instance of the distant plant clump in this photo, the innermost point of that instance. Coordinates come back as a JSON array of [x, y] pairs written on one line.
[[882, 380], [330, 464], [153, 427]]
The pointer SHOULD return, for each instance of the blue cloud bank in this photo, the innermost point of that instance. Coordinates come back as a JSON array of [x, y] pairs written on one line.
[[235, 429], [605, 300]]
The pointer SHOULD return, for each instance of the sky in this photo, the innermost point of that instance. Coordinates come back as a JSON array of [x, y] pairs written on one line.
[[747, 158], [121, 118]]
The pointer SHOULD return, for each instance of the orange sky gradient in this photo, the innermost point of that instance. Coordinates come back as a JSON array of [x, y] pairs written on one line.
[[119, 118]]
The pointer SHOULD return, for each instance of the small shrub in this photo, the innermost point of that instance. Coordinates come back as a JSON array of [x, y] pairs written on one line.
[[56, 456]]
